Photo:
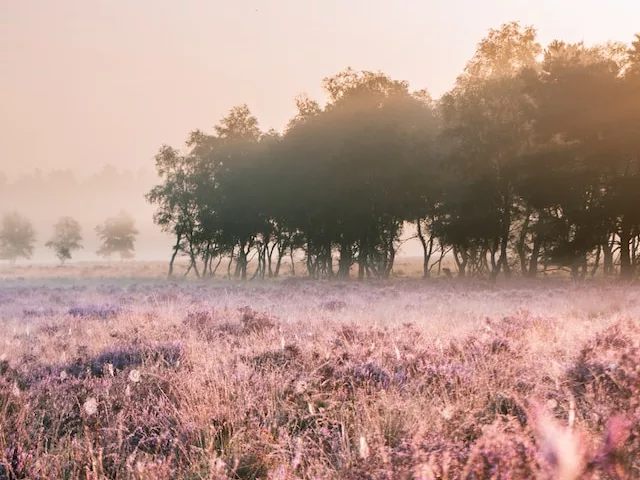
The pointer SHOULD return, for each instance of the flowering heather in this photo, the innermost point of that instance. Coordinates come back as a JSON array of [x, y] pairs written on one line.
[[305, 379], [102, 312]]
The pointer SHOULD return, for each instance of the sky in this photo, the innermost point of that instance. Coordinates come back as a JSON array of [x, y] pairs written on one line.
[[85, 83]]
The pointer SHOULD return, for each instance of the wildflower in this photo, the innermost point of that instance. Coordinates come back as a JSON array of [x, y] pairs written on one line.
[[301, 387], [298, 456], [90, 406], [134, 376], [364, 448], [447, 413]]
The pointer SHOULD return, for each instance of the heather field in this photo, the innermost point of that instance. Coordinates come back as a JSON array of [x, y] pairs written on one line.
[[141, 377]]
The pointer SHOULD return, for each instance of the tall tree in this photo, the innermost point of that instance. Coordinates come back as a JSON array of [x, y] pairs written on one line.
[[354, 167], [587, 125], [175, 198], [487, 118]]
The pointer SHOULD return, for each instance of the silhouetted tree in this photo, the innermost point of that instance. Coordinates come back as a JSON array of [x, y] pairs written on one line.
[[118, 235], [17, 237], [531, 161], [487, 118], [67, 235]]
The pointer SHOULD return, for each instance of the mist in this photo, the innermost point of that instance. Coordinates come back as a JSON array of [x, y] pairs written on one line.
[[44, 196]]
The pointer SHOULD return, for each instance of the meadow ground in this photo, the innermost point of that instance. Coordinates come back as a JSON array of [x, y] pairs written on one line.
[[141, 377]]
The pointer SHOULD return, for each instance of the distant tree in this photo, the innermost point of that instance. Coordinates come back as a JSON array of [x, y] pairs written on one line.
[[67, 235], [17, 237], [118, 235]]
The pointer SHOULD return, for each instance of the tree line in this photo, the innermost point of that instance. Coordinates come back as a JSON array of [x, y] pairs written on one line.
[[529, 163], [117, 235]]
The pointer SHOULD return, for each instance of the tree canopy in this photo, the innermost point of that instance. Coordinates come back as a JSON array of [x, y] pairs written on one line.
[[530, 163], [67, 235], [117, 235], [17, 237]]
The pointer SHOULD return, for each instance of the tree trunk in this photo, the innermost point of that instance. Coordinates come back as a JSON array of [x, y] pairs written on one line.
[[230, 263], [205, 262], [596, 262], [427, 249], [461, 259], [345, 260], [442, 254], [522, 241], [506, 228], [362, 259], [270, 257], [607, 254], [495, 265], [176, 249], [293, 264], [504, 261], [535, 255], [389, 266], [626, 268], [241, 270], [212, 272]]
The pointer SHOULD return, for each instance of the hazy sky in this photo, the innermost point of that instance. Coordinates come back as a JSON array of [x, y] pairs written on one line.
[[89, 82]]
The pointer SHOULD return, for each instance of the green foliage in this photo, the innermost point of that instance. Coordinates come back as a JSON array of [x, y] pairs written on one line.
[[531, 159], [67, 235], [17, 237]]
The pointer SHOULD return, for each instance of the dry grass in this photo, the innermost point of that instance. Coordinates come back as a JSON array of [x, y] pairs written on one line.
[[299, 379]]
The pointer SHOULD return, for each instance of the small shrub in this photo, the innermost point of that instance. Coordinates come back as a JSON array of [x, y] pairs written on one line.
[[101, 312], [254, 321]]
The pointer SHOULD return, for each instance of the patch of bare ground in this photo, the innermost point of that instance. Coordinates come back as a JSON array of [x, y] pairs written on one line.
[[398, 380]]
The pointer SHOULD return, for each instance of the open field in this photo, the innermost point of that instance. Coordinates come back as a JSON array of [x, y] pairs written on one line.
[[140, 377], [404, 267]]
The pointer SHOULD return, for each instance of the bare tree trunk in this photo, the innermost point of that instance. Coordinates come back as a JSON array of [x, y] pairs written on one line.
[[206, 262], [176, 249], [626, 268], [461, 258], [535, 255], [596, 262], [389, 266], [345, 260], [362, 259], [607, 251], [504, 260], [242, 263], [495, 265], [194, 264], [281, 253], [270, 257], [293, 264], [328, 259], [212, 272], [427, 249], [442, 254], [522, 241], [230, 263]]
